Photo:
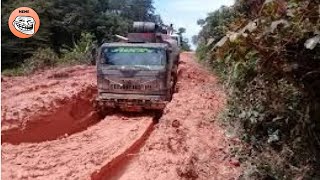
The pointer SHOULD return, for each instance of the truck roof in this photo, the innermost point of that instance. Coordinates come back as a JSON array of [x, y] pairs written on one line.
[[153, 45]]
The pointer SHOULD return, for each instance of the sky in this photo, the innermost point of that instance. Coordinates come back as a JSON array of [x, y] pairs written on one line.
[[185, 13]]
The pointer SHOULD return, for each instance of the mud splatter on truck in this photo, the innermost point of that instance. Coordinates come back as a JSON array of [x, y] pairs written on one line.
[[140, 73]]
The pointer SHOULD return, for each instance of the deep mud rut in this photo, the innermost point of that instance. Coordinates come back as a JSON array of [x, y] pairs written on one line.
[[51, 131]]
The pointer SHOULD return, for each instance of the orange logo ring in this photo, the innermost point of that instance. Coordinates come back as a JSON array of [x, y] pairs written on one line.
[[24, 22]]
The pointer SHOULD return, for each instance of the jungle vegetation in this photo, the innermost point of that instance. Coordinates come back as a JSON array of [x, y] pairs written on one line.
[[267, 55], [68, 31]]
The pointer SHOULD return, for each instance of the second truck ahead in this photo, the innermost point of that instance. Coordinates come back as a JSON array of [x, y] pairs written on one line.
[[140, 72]]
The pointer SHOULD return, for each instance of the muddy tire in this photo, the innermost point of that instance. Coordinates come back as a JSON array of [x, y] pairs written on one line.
[[174, 84], [157, 115], [105, 112], [102, 111]]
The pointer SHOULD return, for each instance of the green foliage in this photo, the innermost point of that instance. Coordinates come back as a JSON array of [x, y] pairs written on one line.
[[185, 46], [202, 51], [195, 39], [80, 53], [215, 26], [267, 53], [42, 58], [17, 71], [181, 30], [63, 22], [15, 50], [201, 22]]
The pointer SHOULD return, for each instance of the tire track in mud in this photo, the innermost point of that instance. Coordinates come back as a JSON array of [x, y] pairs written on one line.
[[116, 167]]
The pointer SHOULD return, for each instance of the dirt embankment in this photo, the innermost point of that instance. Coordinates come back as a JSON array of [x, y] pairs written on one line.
[[77, 156], [47, 105], [50, 131]]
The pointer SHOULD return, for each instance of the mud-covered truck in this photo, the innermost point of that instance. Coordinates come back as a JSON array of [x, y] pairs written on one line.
[[139, 73]]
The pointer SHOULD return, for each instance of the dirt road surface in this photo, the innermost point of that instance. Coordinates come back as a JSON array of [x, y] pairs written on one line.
[[51, 131]]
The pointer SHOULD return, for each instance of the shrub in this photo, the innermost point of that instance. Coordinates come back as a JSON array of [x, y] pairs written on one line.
[[17, 71], [80, 53], [43, 58], [269, 60]]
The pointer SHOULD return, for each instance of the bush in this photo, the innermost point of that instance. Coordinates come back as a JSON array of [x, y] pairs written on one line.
[[41, 59], [45, 58], [80, 53], [269, 60], [18, 71], [201, 51]]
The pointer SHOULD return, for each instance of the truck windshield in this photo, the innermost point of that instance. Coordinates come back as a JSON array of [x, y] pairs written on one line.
[[134, 56]]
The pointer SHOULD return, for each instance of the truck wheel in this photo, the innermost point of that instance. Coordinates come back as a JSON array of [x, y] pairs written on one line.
[[157, 115], [175, 80], [102, 110], [105, 112]]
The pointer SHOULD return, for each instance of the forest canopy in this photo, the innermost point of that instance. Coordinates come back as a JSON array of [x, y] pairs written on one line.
[[66, 23]]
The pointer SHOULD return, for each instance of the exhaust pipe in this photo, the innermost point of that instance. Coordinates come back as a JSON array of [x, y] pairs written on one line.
[[122, 37]]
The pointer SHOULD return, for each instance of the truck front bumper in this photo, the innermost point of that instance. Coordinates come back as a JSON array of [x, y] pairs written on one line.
[[134, 102]]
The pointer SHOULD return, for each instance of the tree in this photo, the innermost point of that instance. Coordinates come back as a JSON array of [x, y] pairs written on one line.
[[185, 46], [216, 24], [201, 22], [63, 22], [181, 30], [195, 39], [14, 49]]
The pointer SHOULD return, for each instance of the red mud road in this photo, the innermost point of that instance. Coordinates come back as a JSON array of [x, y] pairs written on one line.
[[51, 131]]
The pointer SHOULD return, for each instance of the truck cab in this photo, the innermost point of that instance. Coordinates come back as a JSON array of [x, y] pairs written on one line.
[[137, 75]]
